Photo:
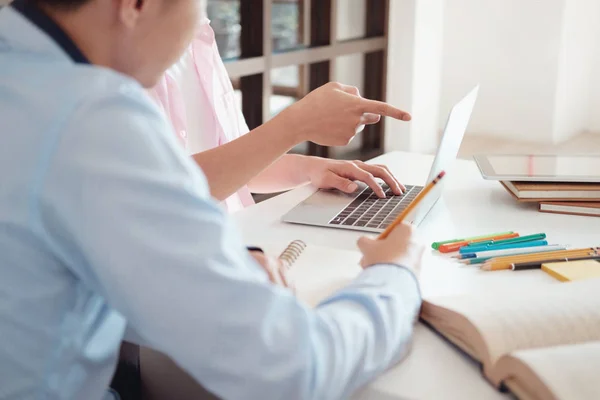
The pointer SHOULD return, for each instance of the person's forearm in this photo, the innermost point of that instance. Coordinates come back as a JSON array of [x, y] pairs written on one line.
[[367, 327], [233, 165], [288, 172]]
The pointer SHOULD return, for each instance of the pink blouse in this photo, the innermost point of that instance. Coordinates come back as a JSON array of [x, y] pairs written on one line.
[[198, 98]]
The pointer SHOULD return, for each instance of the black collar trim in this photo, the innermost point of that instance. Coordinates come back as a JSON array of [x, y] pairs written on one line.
[[29, 10]]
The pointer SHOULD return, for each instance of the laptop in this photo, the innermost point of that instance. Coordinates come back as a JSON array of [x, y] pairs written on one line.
[[363, 210]]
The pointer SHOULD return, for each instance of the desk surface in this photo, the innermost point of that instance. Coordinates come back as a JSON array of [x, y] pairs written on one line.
[[469, 206]]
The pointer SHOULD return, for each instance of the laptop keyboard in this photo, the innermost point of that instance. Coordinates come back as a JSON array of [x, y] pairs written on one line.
[[369, 211]]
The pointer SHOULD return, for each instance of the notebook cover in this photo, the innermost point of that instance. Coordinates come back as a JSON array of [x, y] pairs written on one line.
[[573, 270], [573, 208], [561, 191]]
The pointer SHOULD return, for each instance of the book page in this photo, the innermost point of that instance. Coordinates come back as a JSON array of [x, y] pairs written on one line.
[[319, 271], [562, 372], [513, 319]]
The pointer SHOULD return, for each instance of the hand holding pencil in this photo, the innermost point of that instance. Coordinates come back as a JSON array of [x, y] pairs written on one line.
[[400, 248], [396, 244]]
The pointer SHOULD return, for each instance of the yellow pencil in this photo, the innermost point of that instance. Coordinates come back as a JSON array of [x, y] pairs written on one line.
[[506, 263], [526, 257], [411, 206]]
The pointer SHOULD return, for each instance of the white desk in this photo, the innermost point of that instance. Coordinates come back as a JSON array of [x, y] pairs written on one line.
[[470, 206]]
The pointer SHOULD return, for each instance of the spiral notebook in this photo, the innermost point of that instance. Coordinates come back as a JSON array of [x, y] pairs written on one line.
[[317, 271]]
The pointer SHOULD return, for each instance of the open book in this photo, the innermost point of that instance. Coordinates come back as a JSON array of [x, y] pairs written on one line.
[[542, 344]]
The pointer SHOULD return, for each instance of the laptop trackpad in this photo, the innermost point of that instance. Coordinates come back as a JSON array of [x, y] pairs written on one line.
[[322, 206], [334, 196]]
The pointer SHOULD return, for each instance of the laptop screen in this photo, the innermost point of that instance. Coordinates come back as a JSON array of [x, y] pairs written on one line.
[[456, 126]]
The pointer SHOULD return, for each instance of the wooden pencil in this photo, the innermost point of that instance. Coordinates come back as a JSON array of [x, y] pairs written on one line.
[[506, 263], [411, 206], [537, 255]]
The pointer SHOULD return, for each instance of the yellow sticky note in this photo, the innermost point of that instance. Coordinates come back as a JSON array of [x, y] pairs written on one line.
[[573, 270]]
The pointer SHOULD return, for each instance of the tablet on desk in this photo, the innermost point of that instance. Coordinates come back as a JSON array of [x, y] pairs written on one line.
[[540, 168]]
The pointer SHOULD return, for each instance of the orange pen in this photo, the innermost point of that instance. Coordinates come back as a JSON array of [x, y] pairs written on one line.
[[452, 247]]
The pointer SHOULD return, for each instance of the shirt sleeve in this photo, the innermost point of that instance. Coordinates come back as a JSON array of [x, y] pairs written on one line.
[[130, 215]]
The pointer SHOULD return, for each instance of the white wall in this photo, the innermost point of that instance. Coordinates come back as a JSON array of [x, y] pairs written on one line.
[[581, 29], [595, 94], [414, 73], [509, 47], [534, 60]]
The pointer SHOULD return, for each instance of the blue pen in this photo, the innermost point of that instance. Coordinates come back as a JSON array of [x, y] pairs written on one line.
[[534, 243], [508, 252]]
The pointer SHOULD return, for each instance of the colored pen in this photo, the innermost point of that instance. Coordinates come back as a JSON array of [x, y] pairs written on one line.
[[536, 236], [535, 246], [436, 245], [452, 247], [507, 246], [474, 248], [537, 264], [411, 206], [488, 255]]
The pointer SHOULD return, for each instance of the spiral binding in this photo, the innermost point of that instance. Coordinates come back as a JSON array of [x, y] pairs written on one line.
[[294, 250]]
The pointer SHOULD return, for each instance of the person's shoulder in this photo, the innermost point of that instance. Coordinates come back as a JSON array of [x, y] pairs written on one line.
[[108, 113], [118, 115], [115, 101], [102, 85]]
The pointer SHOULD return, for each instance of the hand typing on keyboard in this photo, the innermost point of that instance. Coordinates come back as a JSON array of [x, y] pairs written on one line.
[[370, 211], [335, 174]]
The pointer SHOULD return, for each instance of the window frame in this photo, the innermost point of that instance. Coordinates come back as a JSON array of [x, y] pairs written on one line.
[[316, 57]]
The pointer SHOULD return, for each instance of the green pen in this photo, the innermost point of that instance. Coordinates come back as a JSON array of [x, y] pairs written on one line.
[[482, 246], [436, 245]]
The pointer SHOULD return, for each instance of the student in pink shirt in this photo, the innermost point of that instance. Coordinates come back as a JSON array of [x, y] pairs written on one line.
[[198, 98]]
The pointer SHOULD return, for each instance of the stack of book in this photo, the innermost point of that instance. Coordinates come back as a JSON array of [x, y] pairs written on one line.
[[557, 197]]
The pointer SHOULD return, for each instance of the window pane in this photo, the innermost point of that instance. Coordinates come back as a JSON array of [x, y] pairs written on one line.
[[285, 83], [286, 76], [351, 19], [225, 20], [286, 24], [286, 90], [349, 70], [280, 103]]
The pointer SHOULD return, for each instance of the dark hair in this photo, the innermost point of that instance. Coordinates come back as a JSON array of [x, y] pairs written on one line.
[[68, 4], [63, 4]]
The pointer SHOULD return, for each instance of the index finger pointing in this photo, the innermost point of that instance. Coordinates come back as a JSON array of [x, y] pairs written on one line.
[[381, 108]]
